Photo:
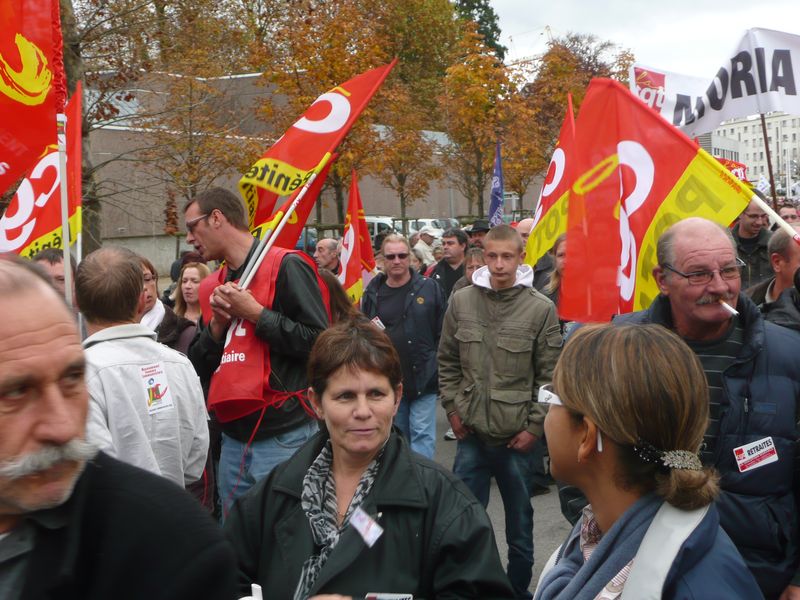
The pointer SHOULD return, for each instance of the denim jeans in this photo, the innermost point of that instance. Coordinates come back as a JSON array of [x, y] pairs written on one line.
[[417, 421], [259, 459], [475, 464]]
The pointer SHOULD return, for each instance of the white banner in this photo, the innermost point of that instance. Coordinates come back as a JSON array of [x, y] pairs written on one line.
[[761, 76]]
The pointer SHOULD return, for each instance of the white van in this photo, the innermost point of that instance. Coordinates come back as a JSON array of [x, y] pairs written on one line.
[[378, 225]]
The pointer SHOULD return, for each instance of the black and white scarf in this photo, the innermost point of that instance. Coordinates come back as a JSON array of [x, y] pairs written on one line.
[[318, 501]]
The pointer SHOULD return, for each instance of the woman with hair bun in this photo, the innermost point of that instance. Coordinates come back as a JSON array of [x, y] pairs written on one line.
[[628, 410]]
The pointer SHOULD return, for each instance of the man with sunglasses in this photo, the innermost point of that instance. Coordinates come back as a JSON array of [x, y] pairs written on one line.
[[253, 344], [752, 235], [410, 308], [753, 372]]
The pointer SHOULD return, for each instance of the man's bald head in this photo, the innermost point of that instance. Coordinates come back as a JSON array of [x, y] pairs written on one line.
[[327, 254], [693, 227], [18, 276], [109, 286], [524, 228]]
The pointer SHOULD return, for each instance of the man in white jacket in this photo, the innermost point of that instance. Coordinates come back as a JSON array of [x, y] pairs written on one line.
[[146, 405]]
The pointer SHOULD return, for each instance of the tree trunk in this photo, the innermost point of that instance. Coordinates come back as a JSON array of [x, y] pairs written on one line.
[[403, 211], [74, 68], [338, 189]]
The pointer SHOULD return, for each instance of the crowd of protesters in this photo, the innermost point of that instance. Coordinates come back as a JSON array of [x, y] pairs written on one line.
[[302, 428]]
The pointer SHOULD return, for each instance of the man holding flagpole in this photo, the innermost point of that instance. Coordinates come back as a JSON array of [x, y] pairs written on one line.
[[252, 345]]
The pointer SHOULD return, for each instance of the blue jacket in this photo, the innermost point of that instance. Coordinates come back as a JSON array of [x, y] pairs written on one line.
[[758, 508], [422, 325]]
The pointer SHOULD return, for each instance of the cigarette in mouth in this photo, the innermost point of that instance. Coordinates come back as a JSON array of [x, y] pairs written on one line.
[[728, 307]]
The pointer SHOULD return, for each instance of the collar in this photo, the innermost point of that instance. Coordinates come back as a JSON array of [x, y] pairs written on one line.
[[153, 317], [482, 277], [750, 317], [119, 332], [768, 297], [397, 482]]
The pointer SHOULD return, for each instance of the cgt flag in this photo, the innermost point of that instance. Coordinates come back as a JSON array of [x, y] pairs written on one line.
[[27, 90], [288, 164], [32, 221], [496, 203], [358, 260], [550, 217], [293, 229], [637, 175]]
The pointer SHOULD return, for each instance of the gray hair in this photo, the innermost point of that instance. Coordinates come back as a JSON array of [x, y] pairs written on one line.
[[779, 243]]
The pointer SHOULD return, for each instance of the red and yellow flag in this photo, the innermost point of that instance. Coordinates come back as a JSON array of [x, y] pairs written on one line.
[[293, 229], [550, 217], [288, 164], [636, 175], [32, 221], [357, 258], [27, 91]]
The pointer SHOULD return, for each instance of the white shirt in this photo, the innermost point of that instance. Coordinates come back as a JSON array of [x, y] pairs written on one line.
[[146, 404]]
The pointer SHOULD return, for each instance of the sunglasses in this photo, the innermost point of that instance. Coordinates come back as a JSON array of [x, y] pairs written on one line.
[[401, 256], [548, 396]]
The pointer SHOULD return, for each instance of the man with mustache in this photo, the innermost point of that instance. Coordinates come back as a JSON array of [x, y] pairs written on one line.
[[74, 523], [753, 373]]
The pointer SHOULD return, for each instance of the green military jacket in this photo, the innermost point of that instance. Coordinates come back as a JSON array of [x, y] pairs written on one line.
[[496, 349]]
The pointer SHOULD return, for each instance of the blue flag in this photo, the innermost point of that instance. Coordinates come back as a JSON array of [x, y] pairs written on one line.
[[496, 203]]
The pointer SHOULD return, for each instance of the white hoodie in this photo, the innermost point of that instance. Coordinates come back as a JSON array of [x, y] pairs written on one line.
[[482, 277]]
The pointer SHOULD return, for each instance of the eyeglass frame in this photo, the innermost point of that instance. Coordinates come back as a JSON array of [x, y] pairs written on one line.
[[548, 396], [192, 223], [400, 255], [740, 264]]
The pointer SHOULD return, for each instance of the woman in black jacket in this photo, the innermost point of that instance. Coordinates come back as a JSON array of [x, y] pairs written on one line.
[[355, 512]]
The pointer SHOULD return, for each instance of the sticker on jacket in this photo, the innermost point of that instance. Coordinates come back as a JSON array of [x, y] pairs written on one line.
[[378, 323], [366, 526], [156, 388], [755, 454], [384, 596]]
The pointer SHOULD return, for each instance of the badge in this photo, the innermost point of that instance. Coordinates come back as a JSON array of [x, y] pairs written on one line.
[[378, 323], [755, 454], [156, 388], [384, 596], [367, 526], [420, 300]]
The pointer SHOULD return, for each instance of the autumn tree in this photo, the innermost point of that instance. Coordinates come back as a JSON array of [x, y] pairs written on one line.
[[404, 158], [567, 67], [471, 107], [525, 151], [315, 46]]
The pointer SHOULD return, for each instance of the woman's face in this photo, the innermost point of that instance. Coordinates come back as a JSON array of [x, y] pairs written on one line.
[[358, 407], [561, 257], [190, 285], [414, 261], [473, 265], [563, 434], [150, 290]]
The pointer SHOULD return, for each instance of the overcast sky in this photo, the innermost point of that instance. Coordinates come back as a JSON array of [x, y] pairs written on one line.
[[692, 37]]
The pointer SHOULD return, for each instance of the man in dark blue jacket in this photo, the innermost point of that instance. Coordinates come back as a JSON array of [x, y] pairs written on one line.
[[753, 372], [410, 308]]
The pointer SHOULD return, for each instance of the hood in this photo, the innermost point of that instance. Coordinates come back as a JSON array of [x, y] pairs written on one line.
[[481, 277]]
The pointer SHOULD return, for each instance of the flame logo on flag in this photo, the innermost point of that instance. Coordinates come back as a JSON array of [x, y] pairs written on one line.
[[31, 83]]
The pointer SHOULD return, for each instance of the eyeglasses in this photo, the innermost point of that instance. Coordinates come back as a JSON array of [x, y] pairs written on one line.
[[754, 216], [401, 256], [192, 223], [548, 396], [704, 277]]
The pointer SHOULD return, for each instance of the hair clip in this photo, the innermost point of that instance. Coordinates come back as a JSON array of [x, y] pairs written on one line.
[[671, 459]]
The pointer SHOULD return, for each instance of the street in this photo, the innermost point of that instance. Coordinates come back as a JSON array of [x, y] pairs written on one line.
[[550, 528]]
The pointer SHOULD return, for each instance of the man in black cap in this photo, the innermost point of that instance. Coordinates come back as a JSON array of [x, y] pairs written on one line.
[[477, 232]]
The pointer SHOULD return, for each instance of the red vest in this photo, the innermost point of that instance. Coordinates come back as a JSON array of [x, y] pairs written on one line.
[[240, 385]]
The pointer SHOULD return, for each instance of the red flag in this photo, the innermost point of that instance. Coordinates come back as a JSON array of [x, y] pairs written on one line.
[[288, 164], [637, 175], [550, 217], [32, 221], [358, 259], [293, 229], [27, 91]]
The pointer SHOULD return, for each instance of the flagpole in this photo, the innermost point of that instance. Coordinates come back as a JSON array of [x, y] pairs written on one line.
[[269, 238], [61, 127], [769, 162]]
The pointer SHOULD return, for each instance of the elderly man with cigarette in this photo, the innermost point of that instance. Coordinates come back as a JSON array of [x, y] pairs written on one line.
[[753, 373]]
